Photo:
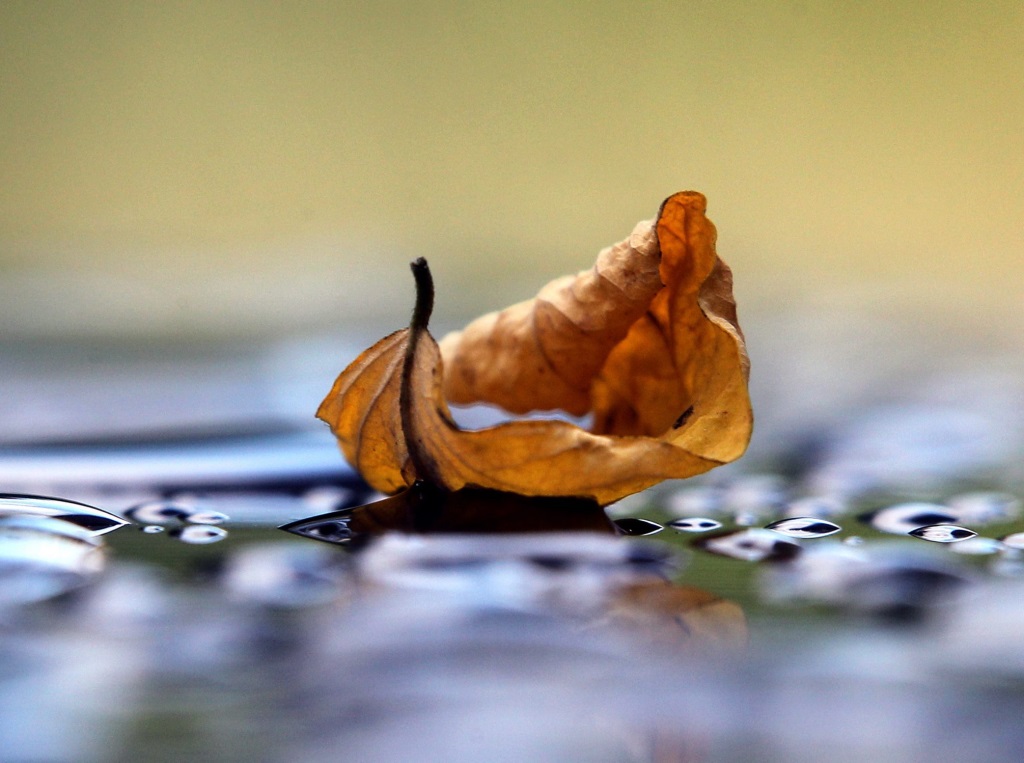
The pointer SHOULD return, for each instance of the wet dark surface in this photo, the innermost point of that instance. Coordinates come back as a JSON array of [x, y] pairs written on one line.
[[834, 602], [200, 630]]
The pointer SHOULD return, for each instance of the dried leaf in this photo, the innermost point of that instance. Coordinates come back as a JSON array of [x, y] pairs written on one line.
[[545, 353], [647, 333], [654, 353]]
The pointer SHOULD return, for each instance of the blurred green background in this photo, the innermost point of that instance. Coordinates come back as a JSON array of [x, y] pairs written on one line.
[[230, 168]]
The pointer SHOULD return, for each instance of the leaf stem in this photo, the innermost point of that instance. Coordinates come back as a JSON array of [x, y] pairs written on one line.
[[422, 464], [424, 295]]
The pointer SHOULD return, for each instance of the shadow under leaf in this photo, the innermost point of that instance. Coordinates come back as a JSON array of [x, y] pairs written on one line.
[[424, 509]]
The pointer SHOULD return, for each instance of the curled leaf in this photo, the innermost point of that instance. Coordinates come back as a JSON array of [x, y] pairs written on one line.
[[645, 341], [654, 353], [545, 353]]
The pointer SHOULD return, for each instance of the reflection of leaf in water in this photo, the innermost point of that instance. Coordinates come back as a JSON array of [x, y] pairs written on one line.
[[680, 617], [647, 341], [646, 603], [425, 509]]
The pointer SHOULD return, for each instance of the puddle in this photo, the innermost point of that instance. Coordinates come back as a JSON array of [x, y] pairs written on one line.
[[202, 598]]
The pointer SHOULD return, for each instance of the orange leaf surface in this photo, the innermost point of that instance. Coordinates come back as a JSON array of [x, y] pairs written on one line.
[[647, 341]]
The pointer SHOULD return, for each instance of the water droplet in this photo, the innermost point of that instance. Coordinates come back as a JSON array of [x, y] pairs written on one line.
[[984, 507], [42, 557], [695, 525], [158, 512], [753, 545], [332, 527], [1014, 540], [904, 517], [977, 546], [943, 533], [95, 521], [199, 534], [207, 518], [804, 527], [637, 526], [152, 529]]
